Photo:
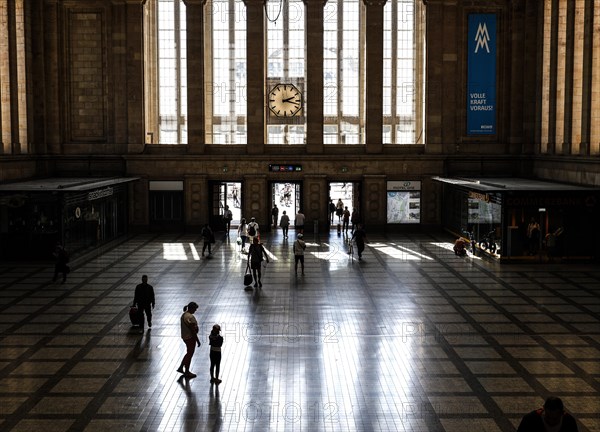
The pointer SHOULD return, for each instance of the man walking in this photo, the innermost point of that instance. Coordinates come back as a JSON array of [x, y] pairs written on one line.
[[227, 217], [144, 300]]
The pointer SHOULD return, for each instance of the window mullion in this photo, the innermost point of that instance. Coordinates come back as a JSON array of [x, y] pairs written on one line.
[[177, 39], [340, 69], [394, 75]]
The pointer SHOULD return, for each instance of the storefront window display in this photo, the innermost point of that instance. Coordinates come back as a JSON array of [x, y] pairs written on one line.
[[523, 218]]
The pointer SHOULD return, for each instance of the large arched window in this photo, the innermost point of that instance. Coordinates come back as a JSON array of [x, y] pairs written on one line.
[[172, 72], [285, 65], [226, 79], [343, 81], [285, 52], [403, 101]]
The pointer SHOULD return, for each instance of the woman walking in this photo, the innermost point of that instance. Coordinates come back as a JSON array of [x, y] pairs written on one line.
[[243, 232], [189, 334]]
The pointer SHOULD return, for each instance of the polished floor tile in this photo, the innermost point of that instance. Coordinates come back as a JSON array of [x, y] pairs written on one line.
[[411, 338]]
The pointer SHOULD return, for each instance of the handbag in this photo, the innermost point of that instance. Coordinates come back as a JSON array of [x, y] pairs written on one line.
[[247, 275]]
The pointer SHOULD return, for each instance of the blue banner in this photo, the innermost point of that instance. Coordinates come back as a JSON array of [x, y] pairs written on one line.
[[481, 75]]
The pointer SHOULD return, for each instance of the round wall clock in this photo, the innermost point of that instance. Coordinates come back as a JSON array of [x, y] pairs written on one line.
[[285, 100]]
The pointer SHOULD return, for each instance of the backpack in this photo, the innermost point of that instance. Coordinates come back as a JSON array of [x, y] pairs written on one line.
[[251, 230]]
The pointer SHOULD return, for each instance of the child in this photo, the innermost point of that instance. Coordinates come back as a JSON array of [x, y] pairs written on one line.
[[215, 341]]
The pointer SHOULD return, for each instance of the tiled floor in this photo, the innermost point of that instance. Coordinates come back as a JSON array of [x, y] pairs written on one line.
[[411, 338]]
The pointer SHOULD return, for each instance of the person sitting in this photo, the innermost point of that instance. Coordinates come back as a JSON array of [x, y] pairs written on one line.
[[460, 246]]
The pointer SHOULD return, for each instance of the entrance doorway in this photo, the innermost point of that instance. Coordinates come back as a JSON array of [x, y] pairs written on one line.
[[348, 194], [288, 197], [225, 194]]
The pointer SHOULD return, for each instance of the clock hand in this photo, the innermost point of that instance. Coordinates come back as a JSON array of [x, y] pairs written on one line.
[[288, 99]]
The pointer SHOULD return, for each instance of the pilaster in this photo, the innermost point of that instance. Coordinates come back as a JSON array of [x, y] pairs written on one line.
[[256, 199], [374, 76], [196, 197], [255, 87], [195, 76], [569, 48], [518, 75], [374, 199], [51, 78], [433, 77], [314, 75], [316, 197], [138, 204], [586, 78], [135, 75]]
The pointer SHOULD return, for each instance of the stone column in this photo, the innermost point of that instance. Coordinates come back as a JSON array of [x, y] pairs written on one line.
[[255, 86], [374, 76], [135, 76], [196, 195], [195, 75], [314, 75]]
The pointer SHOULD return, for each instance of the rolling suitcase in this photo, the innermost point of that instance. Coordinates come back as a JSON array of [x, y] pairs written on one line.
[[248, 275], [134, 316]]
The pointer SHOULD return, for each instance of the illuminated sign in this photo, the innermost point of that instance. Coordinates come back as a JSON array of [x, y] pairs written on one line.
[[100, 193], [285, 168], [479, 196]]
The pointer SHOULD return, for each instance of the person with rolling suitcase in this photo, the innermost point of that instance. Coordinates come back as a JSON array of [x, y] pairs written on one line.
[[248, 276], [144, 301]]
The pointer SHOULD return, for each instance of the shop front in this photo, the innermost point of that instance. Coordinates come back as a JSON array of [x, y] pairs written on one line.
[[515, 218], [80, 213]]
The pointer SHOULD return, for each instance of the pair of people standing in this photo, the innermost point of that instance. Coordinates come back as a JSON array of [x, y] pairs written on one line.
[[189, 335]]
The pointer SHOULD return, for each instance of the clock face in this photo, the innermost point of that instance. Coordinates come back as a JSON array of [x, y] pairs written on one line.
[[285, 100]]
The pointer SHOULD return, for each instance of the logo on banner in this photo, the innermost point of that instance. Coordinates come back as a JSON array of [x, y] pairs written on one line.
[[482, 38]]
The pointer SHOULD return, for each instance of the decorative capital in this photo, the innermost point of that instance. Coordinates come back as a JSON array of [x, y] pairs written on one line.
[[374, 2], [254, 2], [321, 3], [194, 2]]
